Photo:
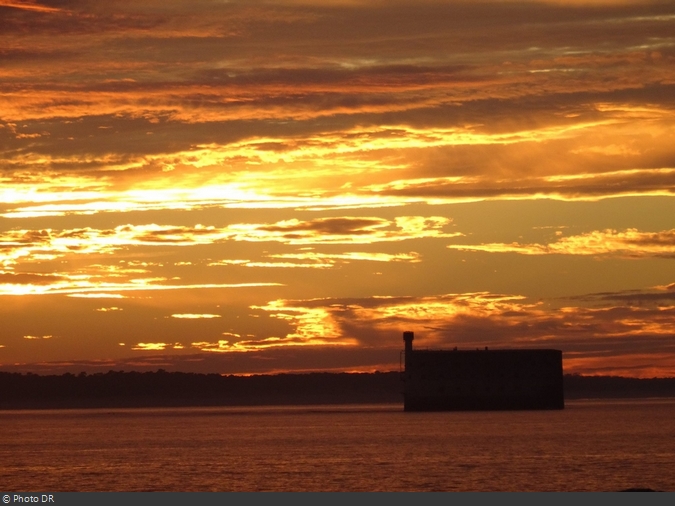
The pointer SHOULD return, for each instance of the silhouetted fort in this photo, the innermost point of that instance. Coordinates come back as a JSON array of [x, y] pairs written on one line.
[[453, 380]]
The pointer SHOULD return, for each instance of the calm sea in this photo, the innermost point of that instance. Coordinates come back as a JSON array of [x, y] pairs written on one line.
[[590, 446]]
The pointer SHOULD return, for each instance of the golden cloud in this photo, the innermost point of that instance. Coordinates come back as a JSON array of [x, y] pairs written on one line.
[[378, 166], [345, 230], [629, 243], [97, 295], [150, 346], [193, 316], [352, 256], [100, 289], [47, 244], [639, 324], [28, 5], [248, 345]]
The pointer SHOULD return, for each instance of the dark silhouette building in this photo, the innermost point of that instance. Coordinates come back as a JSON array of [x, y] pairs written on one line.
[[454, 380]]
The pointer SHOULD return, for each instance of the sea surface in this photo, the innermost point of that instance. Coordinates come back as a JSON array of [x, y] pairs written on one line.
[[589, 446]]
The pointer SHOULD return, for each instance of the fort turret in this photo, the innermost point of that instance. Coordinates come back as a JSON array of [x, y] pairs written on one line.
[[408, 338]]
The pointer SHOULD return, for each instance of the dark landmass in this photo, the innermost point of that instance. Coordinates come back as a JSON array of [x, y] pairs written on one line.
[[161, 388], [148, 389]]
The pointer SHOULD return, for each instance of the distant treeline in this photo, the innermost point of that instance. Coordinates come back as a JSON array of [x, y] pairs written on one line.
[[161, 388], [189, 389]]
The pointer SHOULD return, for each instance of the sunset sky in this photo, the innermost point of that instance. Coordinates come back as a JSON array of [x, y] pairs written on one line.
[[267, 186]]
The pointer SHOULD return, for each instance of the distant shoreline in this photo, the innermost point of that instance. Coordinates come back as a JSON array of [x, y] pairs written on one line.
[[116, 389]]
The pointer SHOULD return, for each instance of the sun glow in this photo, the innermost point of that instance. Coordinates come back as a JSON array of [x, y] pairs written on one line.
[[251, 175]]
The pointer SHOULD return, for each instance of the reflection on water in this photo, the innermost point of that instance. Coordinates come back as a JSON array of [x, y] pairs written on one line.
[[591, 445]]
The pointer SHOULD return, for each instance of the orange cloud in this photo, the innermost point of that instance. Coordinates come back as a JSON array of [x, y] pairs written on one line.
[[566, 187], [18, 246], [325, 260], [249, 345], [101, 289], [29, 6], [345, 230], [288, 265], [192, 316], [375, 166], [97, 295], [150, 346], [630, 243], [608, 336], [640, 365]]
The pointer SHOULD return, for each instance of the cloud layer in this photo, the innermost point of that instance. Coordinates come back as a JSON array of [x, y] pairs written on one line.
[[345, 166]]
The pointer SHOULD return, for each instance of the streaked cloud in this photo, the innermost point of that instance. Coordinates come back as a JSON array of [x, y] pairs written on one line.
[[97, 295], [27, 5], [97, 290], [279, 265], [322, 260], [224, 346], [47, 244], [629, 243], [150, 346], [345, 230], [192, 316], [353, 256]]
